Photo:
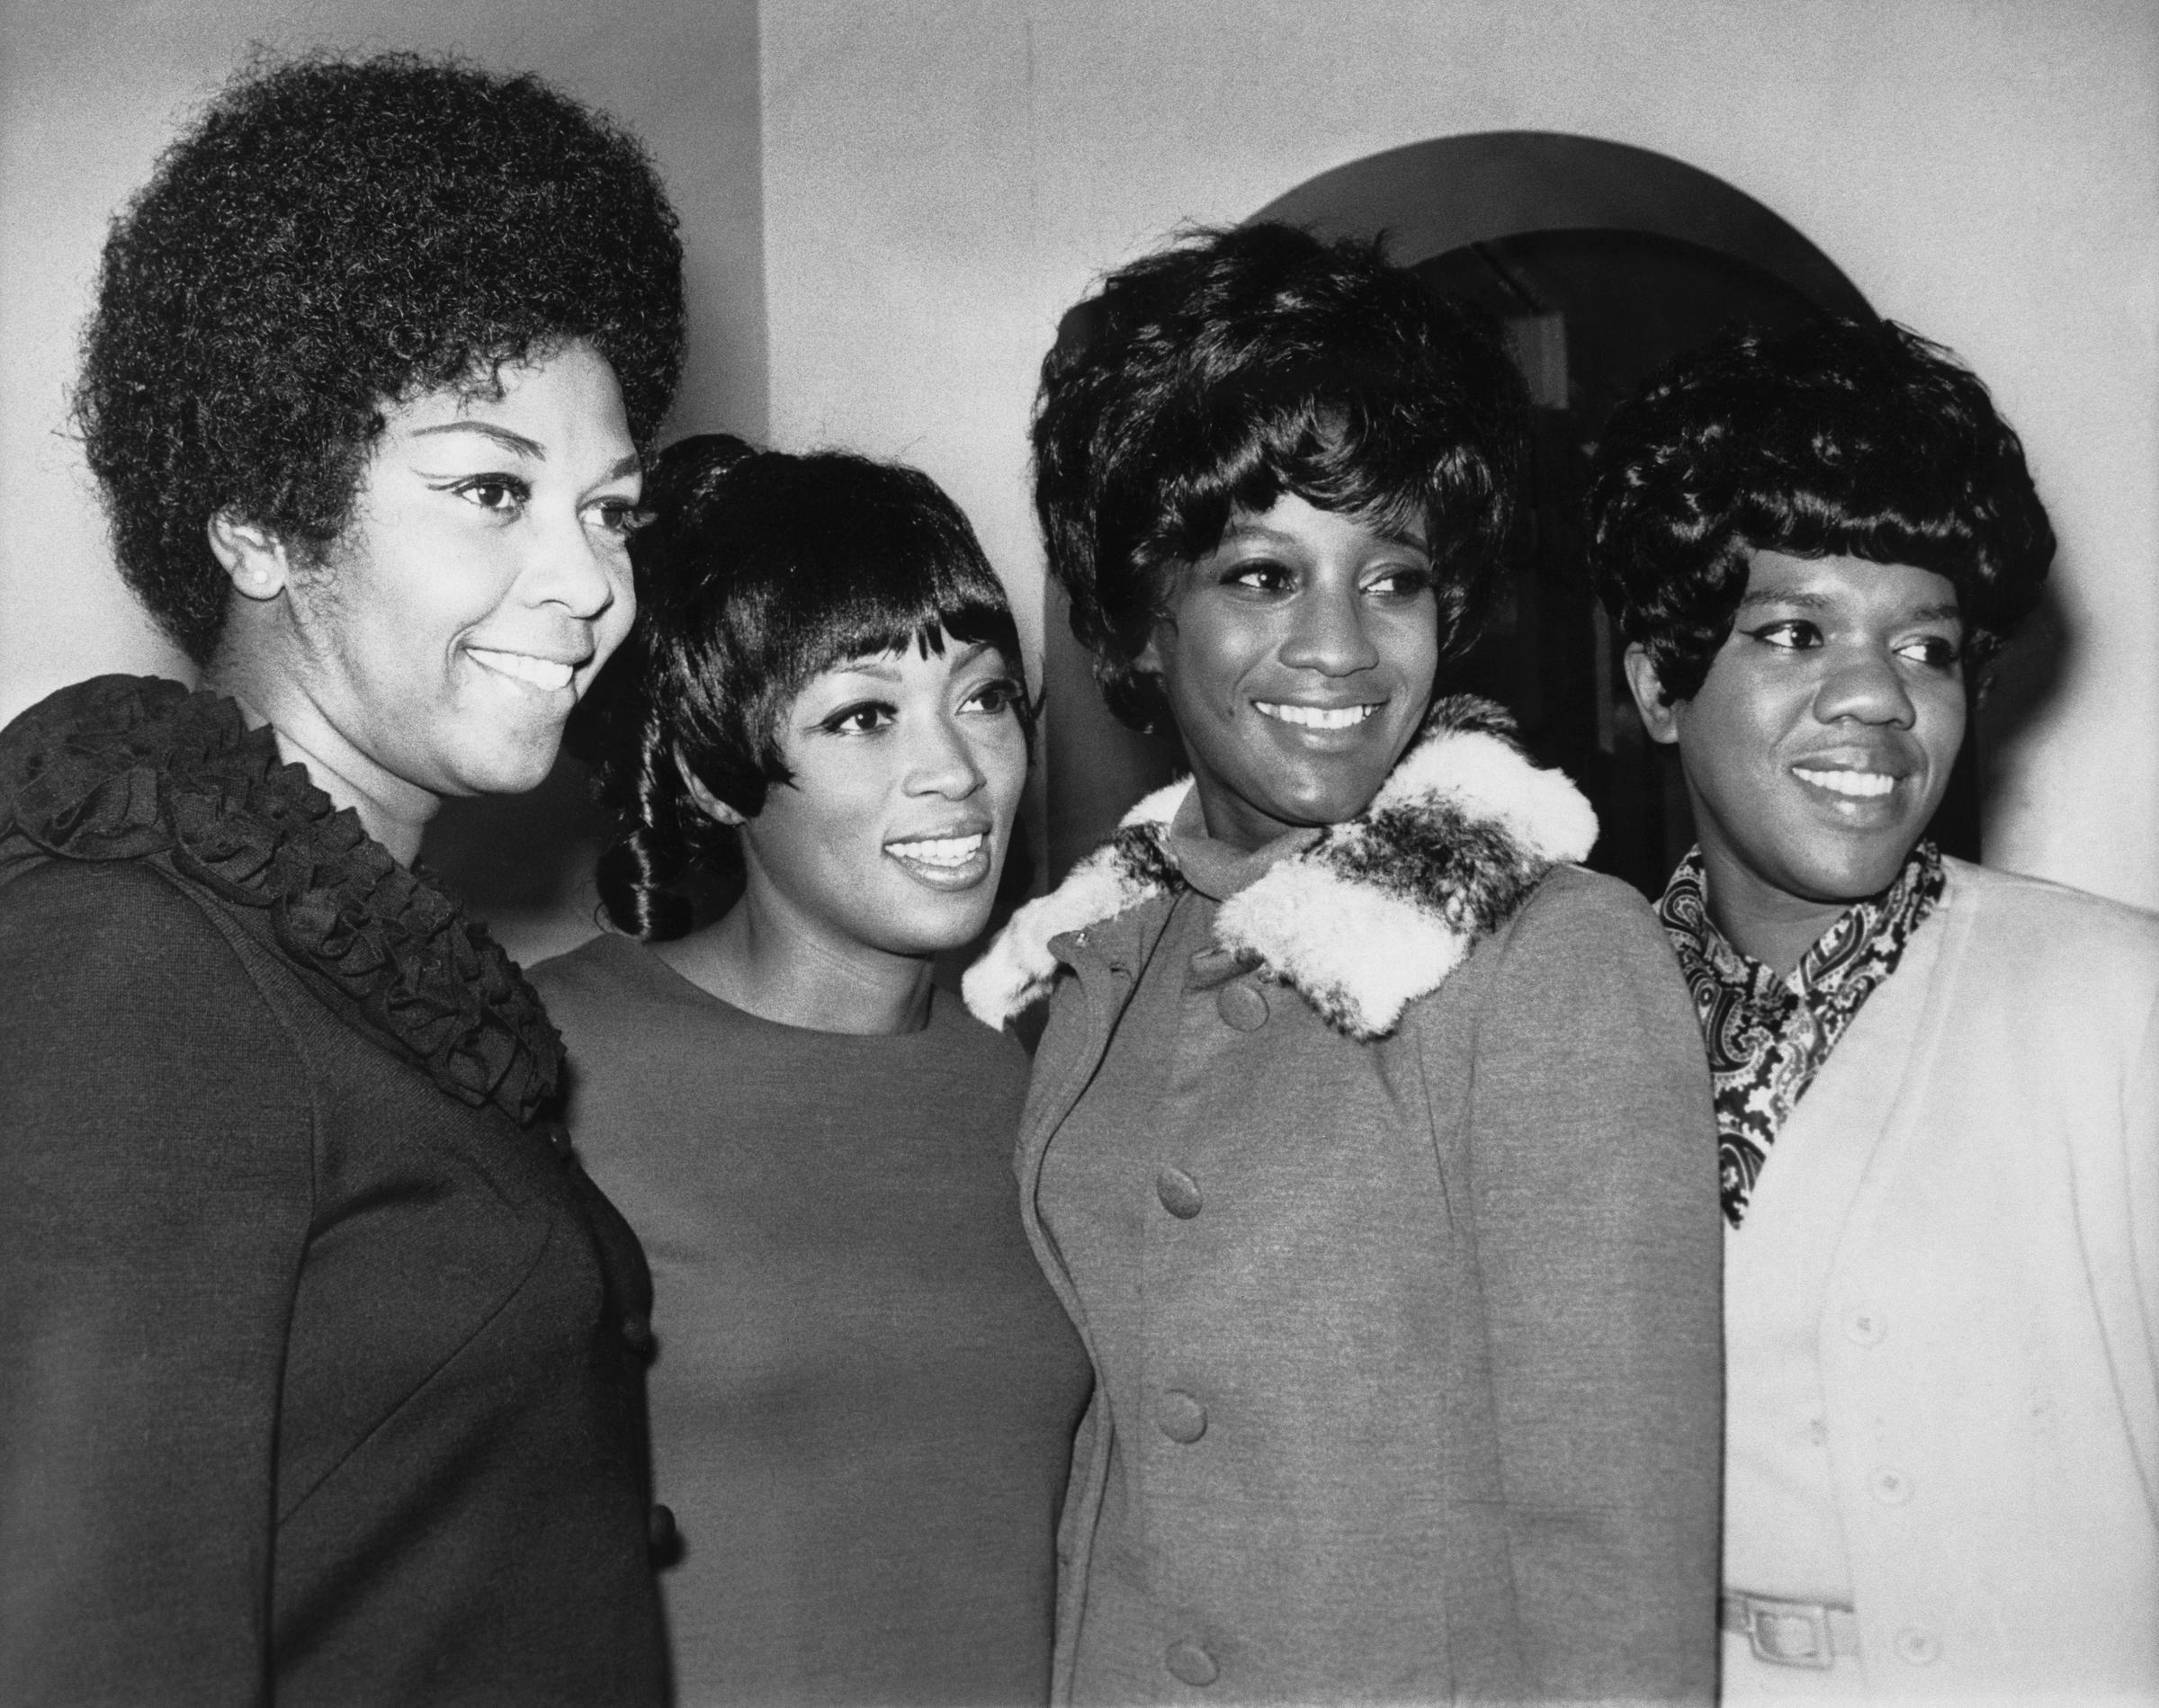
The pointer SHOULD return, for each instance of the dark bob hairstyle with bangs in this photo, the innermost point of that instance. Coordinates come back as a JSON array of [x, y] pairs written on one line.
[[333, 235], [757, 570], [1238, 365], [1837, 439]]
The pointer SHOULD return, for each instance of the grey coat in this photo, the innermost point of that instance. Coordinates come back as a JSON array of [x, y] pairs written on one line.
[[1432, 1401]]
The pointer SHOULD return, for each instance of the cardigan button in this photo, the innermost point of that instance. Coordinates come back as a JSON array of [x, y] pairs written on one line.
[[663, 1540], [1866, 1328], [1241, 1005], [637, 1334], [1191, 1664], [1915, 1647], [1179, 1192], [1180, 1416]]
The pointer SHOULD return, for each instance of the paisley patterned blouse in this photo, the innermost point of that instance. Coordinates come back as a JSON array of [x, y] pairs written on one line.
[[1768, 1035]]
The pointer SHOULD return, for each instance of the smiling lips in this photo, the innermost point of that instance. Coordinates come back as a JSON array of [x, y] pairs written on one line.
[[1856, 784], [1316, 717], [550, 675], [945, 862]]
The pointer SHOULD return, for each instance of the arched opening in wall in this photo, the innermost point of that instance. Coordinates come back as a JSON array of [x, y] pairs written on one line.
[[1602, 261]]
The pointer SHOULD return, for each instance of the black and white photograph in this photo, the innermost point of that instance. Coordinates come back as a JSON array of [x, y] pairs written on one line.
[[995, 852]]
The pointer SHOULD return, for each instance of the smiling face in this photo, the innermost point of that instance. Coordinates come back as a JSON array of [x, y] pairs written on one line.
[[1820, 743], [907, 774], [1297, 658], [438, 646]]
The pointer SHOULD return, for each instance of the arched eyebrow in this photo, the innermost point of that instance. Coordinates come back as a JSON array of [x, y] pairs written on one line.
[[519, 445], [1942, 611], [516, 443]]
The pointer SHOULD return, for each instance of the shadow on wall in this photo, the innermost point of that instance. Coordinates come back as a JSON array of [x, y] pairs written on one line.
[[1602, 262]]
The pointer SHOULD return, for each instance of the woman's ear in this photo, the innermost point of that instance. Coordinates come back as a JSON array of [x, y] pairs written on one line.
[[253, 556], [1659, 716], [708, 803]]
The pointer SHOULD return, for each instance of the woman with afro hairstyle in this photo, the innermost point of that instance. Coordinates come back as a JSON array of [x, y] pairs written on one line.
[[1369, 1143], [320, 1359], [865, 1396], [1937, 1084]]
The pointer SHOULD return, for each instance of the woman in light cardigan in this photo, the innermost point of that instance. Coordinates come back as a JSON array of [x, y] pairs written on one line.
[[1369, 1143], [1938, 1085]]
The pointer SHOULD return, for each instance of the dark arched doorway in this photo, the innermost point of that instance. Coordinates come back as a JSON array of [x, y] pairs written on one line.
[[1602, 261]]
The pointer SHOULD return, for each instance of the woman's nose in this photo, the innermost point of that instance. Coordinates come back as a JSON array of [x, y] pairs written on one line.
[[1865, 685], [571, 570], [1327, 634], [941, 761]]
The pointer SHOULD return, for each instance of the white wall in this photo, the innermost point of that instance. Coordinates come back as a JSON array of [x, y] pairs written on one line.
[[941, 177], [91, 90]]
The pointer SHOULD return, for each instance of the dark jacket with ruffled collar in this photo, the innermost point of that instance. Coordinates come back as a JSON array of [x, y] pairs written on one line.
[[320, 1359]]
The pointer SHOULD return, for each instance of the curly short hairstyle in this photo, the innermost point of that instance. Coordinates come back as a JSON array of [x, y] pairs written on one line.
[[1838, 438], [331, 236], [757, 570], [1238, 365]]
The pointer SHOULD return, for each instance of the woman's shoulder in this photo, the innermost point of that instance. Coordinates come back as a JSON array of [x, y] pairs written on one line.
[[114, 922], [1584, 956], [1575, 914], [2034, 919], [996, 1056], [602, 972]]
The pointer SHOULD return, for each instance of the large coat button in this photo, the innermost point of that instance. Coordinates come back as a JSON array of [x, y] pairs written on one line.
[[1180, 1416], [1192, 1664], [662, 1539], [1241, 1005], [1179, 1192]]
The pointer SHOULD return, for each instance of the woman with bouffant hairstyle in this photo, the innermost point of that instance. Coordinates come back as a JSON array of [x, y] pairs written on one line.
[[864, 1395], [1368, 1144], [321, 1359]]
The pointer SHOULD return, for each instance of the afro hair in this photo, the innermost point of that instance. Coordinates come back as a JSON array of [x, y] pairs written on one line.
[[331, 236]]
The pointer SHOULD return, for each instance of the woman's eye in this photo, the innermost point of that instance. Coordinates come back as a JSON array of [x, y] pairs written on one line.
[[1936, 652], [999, 696], [1793, 635], [499, 492], [1261, 575], [621, 516], [862, 719], [1407, 582]]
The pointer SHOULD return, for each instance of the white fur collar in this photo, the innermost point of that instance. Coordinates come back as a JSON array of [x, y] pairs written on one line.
[[1373, 914]]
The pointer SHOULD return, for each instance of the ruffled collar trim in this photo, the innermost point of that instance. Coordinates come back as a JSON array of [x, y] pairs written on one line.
[[137, 768]]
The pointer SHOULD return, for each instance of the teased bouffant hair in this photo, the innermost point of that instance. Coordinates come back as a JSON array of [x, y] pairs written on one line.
[[333, 235], [1837, 439], [755, 571], [1238, 365]]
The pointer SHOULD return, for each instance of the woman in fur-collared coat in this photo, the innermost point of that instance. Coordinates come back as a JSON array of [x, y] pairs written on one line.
[[1369, 1143]]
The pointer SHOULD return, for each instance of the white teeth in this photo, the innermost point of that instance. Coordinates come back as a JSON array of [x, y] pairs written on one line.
[[1848, 782], [1317, 717], [940, 851], [541, 672]]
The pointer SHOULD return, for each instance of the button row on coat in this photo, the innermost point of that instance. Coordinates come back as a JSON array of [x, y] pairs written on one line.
[[1178, 1416], [1190, 1663], [1241, 1005], [1180, 1194]]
